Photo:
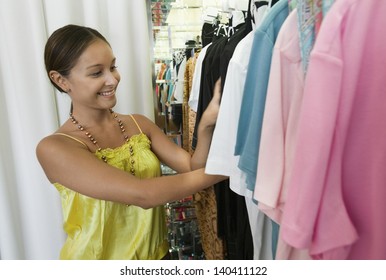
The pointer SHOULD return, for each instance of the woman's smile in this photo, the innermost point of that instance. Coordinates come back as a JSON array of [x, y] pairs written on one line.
[[107, 93]]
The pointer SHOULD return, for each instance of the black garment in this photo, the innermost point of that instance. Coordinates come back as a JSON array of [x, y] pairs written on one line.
[[233, 223], [190, 47], [259, 4], [241, 31], [231, 207], [210, 73], [232, 216], [207, 33]]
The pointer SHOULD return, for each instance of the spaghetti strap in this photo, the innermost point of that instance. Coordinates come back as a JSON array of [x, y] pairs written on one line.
[[136, 123], [73, 138]]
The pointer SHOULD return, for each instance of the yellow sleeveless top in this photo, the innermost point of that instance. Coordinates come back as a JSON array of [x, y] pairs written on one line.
[[99, 229]]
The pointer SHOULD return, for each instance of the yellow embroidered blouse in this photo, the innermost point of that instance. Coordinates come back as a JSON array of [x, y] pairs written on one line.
[[98, 229]]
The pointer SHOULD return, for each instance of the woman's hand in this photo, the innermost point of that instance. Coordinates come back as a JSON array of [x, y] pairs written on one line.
[[206, 129], [209, 117]]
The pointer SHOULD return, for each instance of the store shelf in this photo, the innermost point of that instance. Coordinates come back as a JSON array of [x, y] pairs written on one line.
[[183, 234]]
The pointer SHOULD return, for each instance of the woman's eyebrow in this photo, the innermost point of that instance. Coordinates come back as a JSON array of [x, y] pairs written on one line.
[[100, 64]]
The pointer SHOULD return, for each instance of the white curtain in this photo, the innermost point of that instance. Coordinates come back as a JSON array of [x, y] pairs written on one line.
[[30, 108]]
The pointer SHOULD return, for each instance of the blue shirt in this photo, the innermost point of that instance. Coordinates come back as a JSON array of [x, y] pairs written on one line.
[[255, 90]]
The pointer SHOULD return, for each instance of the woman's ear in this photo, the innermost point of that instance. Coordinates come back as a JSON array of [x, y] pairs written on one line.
[[59, 80]]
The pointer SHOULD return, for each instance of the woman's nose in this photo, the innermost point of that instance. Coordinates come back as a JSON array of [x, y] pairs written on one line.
[[112, 78]]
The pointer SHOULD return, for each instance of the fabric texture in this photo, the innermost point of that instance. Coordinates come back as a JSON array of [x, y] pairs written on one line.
[[196, 82], [188, 80], [206, 212], [281, 116], [221, 159], [205, 200], [279, 130], [231, 208], [336, 199], [99, 229], [255, 90]]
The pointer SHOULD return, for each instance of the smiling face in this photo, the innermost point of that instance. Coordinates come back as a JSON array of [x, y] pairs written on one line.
[[93, 80]]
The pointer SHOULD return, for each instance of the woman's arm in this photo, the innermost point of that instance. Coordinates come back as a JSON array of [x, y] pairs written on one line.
[[174, 156], [205, 129], [69, 163]]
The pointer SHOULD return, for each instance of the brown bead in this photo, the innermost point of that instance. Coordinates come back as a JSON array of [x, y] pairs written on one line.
[[94, 141]]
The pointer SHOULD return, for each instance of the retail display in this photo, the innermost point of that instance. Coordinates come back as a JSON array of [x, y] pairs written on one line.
[[298, 103], [183, 234]]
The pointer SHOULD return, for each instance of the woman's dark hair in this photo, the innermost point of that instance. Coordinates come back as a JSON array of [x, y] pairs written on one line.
[[65, 46]]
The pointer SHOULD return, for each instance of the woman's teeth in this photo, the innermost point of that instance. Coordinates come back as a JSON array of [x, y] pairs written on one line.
[[107, 93]]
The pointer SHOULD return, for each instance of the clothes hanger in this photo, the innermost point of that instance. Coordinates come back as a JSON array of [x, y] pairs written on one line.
[[259, 4], [211, 15]]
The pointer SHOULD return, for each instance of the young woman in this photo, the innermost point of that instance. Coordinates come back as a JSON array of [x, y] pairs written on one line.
[[106, 166]]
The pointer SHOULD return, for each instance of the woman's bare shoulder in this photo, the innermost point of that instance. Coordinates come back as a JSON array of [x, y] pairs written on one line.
[[57, 145], [141, 122], [60, 140], [140, 118]]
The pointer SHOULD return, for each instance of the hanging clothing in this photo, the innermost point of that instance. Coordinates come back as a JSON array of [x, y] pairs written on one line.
[[231, 207], [205, 200], [221, 159], [255, 89], [306, 24], [207, 33], [206, 212], [179, 82], [210, 73], [196, 82], [292, 4], [279, 129], [161, 92], [318, 11], [229, 49], [191, 125], [178, 57], [326, 5], [336, 198], [310, 17], [188, 79], [169, 84], [281, 115]]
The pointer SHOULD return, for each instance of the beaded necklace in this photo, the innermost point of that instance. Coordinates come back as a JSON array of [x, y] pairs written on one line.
[[95, 142]]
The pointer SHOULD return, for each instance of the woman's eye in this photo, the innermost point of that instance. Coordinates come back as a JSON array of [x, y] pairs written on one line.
[[96, 74], [113, 67]]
